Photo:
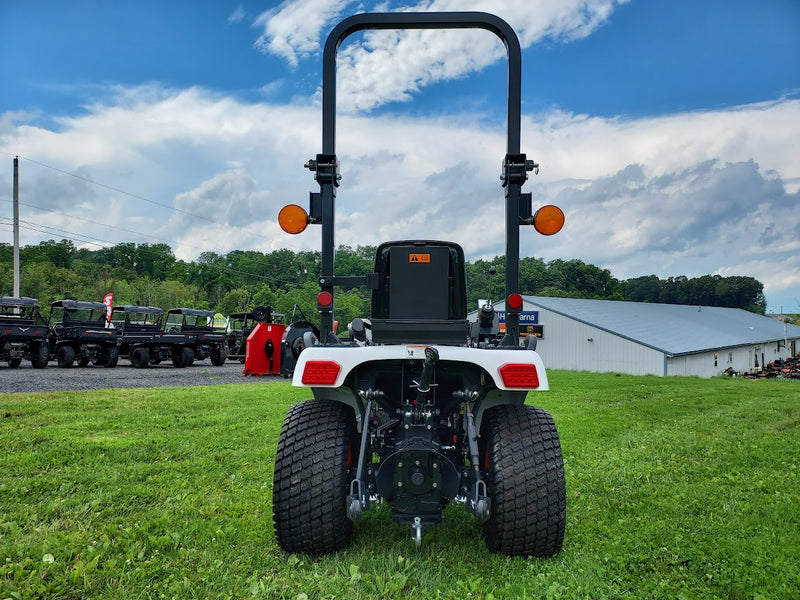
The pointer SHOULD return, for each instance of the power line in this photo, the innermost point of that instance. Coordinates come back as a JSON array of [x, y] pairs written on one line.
[[160, 239], [85, 239], [120, 191], [34, 227], [113, 189], [31, 226]]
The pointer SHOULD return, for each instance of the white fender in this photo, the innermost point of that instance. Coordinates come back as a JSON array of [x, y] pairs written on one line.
[[349, 357]]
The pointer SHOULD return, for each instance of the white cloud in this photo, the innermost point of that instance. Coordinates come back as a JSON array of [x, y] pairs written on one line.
[[692, 193], [390, 66], [237, 16], [293, 29]]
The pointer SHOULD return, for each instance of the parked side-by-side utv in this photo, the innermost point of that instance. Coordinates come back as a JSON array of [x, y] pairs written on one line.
[[200, 339], [23, 332], [143, 340], [419, 408], [81, 333]]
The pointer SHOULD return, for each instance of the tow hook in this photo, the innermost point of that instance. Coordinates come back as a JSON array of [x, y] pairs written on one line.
[[416, 532]]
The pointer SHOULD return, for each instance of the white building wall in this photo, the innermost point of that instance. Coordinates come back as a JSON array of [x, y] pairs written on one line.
[[565, 345], [701, 364], [575, 346], [741, 359]]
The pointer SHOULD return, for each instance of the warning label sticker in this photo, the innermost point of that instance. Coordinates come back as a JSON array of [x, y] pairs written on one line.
[[415, 351], [419, 258]]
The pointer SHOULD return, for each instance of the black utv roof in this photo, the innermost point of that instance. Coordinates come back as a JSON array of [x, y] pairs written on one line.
[[78, 304], [241, 315], [133, 308], [18, 301], [196, 312]]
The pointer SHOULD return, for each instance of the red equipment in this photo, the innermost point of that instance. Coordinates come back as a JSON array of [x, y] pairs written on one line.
[[263, 349]]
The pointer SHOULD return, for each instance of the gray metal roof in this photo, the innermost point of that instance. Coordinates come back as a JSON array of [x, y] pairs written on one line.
[[672, 328]]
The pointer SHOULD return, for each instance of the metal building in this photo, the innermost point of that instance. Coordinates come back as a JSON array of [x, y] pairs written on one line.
[[653, 339]]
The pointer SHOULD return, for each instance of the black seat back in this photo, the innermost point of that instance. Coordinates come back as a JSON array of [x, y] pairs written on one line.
[[421, 294]]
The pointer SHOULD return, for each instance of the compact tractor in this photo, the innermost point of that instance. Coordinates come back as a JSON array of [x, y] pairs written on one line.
[[419, 407]]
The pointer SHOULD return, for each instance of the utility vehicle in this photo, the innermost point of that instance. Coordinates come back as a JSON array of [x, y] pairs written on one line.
[[23, 332], [80, 332], [200, 338], [419, 408], [144, 342]]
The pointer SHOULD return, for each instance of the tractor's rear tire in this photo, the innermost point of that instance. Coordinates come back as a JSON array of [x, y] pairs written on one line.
[[316, 450], [525, 478]]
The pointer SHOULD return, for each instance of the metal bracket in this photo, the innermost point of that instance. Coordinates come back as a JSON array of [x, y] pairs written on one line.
[[370, 280], [326, 169], [515, 169], [314, 207]]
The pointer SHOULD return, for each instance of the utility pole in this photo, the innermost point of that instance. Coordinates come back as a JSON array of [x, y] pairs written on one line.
[[16, 226]]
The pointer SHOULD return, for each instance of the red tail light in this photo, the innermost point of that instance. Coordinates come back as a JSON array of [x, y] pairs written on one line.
[[519, 375], [321, 372], [514, 301]]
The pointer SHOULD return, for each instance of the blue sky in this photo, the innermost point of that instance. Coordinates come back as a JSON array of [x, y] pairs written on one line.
[[666, 130]]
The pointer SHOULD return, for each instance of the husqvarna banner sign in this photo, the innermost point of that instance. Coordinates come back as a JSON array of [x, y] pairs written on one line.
[[528, 323], [526, 317]]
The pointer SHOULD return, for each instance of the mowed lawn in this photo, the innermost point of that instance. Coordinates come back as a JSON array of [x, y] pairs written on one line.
[[677, 488]]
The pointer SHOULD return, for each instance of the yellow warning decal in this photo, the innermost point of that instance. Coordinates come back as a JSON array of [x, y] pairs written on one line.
[[419, 258]]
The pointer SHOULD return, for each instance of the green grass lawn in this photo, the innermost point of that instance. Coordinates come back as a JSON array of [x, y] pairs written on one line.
[[677, 488]]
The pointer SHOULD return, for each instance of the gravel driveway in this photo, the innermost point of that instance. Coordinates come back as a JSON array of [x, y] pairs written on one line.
[[27, 379]]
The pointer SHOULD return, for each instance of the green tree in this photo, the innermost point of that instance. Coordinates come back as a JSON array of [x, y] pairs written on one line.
[[153, 260], [350, 263], [119, 259], [235, 300], [264, 296], [482, 285], [305, 297], [59, 254], [349, 305], [643, 289], [175, 294], [532, 275]]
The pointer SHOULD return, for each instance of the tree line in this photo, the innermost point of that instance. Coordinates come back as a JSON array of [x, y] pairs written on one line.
[[151, 275]]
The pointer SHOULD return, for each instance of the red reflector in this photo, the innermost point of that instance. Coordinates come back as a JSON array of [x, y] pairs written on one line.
[[325, 299], [514, 301], [519, 375], [320, 372]]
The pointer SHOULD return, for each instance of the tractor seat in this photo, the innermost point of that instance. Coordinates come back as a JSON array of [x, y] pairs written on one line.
[[421, 295]]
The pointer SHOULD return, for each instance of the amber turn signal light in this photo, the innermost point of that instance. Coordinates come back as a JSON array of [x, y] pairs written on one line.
[[548, 220], [293, 219]]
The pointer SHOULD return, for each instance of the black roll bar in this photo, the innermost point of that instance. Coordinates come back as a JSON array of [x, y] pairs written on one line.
[[326, 164]]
